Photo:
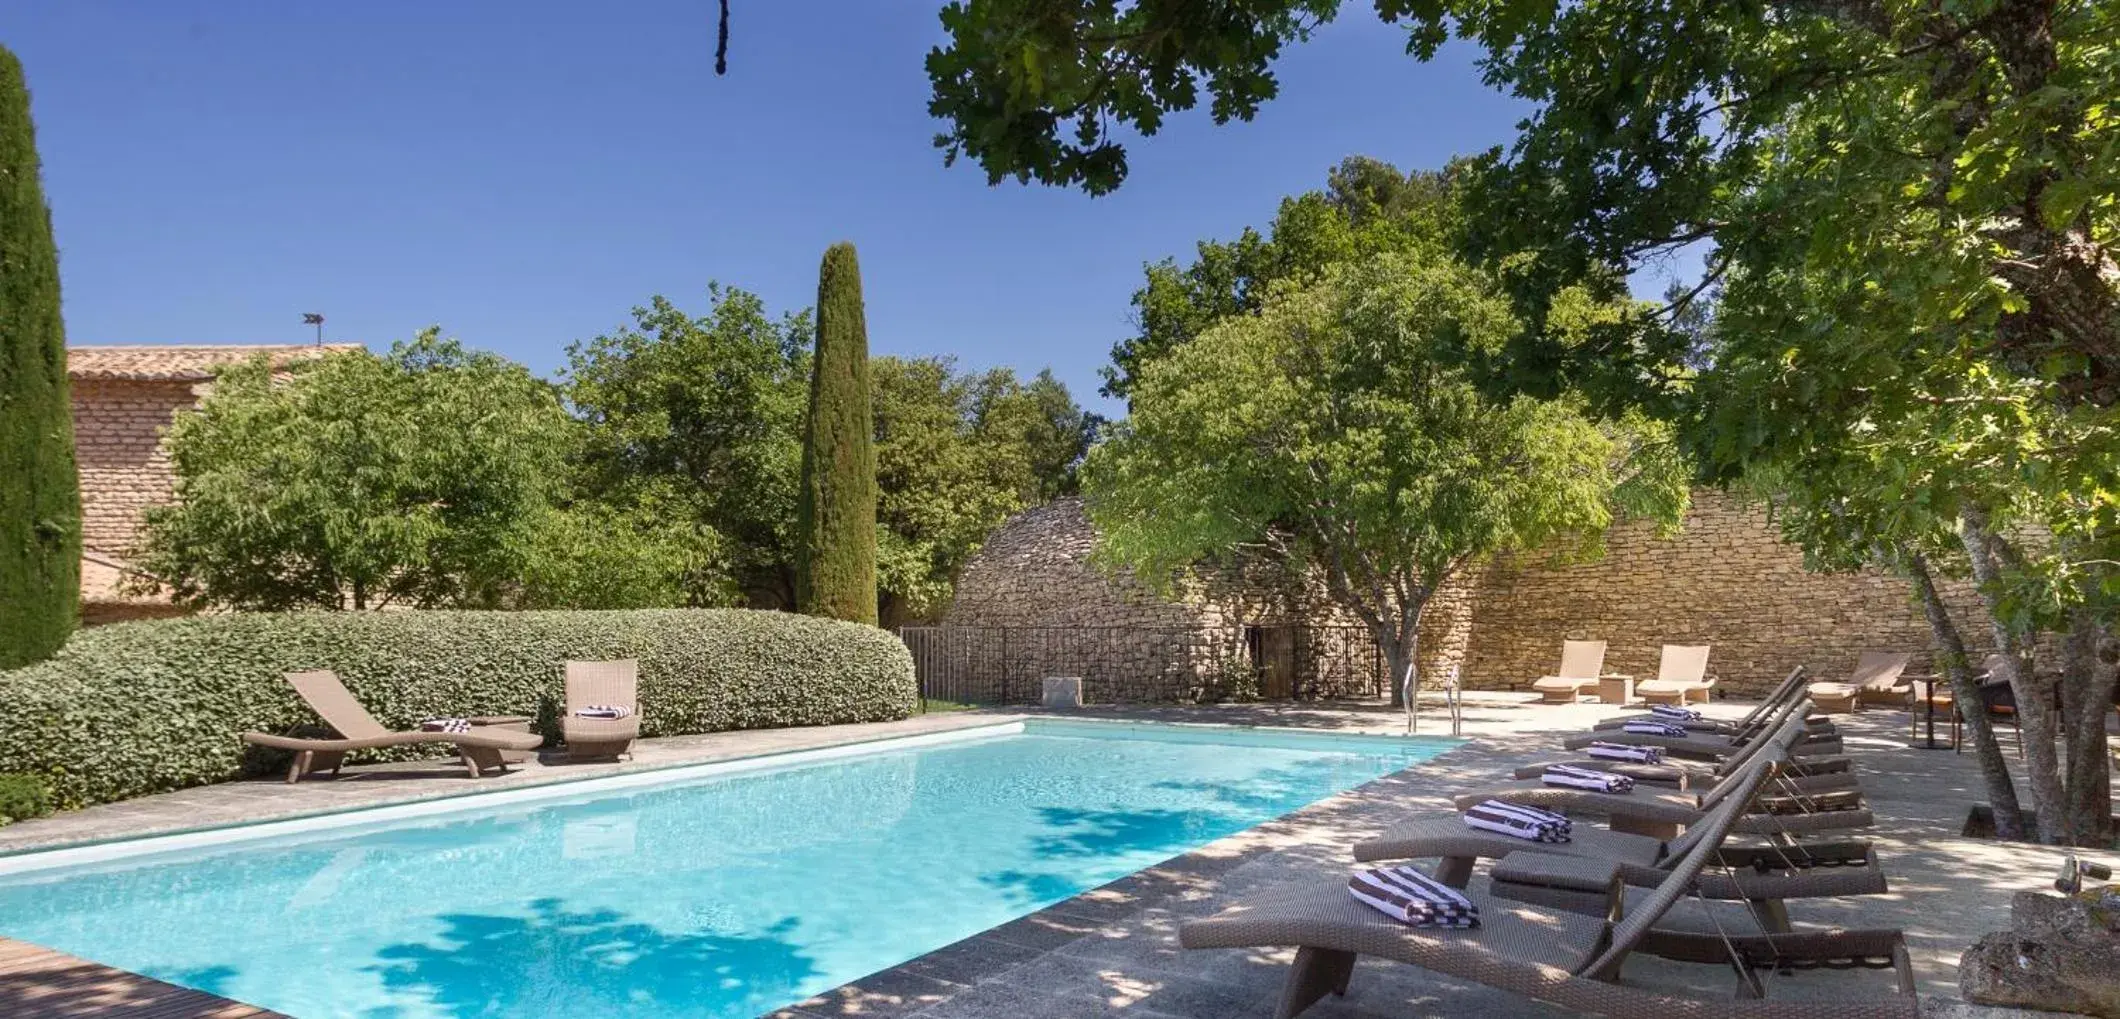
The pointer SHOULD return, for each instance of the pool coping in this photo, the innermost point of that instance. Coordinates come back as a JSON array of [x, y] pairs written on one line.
[[461, 800], [934, 977]]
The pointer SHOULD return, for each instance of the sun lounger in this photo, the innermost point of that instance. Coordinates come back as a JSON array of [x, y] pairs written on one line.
[[480, 748], [1780, 810], [1763, 876], [1879, 677], [1791, 686], [1582, 661], [601, 718], [1562, 957], [1681, 676]]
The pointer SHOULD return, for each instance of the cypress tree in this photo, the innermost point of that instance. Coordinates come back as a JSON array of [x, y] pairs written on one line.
[[835, 518], [40, 495]]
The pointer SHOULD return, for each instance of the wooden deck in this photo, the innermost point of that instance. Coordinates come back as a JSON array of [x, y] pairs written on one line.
[[38, 983]]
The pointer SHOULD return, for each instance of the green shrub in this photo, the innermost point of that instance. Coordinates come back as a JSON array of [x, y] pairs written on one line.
[[23, 797], [149, 707]]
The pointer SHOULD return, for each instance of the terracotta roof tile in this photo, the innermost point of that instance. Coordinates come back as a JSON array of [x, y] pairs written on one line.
[[180, 363]]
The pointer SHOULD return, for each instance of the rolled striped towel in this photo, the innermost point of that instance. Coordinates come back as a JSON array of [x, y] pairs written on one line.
[[607, 711], [1411, 897], [448, 725], [1674, 712], [1572, 777], [1646, 727], [1626, 752], [1520, 822]]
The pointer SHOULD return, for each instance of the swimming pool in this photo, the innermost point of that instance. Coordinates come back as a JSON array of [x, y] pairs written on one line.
[[721, 896]]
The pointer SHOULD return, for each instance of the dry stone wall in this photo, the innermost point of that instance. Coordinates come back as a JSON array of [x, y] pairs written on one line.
[[1726, 580], [1031, 604]]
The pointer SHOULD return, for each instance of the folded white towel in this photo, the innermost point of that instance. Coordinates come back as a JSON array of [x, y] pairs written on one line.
[[1520, 822], [448, 725], [604, 711], [1645, 727], [1411, 897], [1674, 712], [1626, 752], [1585, 778]]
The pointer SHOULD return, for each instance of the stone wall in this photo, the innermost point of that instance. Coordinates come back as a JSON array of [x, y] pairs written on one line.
[[1726, 580], [118, 429], [1032, 604]]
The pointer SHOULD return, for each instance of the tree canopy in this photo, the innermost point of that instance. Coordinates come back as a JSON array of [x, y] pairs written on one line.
[[1333, 431], [420, 477], [1366, 207]]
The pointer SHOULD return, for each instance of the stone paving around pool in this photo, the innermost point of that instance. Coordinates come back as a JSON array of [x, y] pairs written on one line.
[[1113, 951]]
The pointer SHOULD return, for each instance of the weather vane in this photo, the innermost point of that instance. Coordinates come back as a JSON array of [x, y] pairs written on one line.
[[311, 318]]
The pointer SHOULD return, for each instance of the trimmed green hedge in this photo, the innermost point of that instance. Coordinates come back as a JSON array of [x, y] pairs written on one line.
[[23, 797], [150, 707]]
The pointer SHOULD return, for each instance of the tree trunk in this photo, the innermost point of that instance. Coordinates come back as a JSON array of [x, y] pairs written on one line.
[[2087, 689], [1951, 660], [2035, 697]]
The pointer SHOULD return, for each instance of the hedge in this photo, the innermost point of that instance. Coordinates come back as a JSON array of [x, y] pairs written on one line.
[[150, 707]]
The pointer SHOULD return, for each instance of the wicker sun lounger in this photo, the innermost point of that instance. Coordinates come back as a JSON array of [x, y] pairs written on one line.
[[1566, 958], [1763, 876], [1878, 677], [1582, 661], [1811, 772], [603, 684], [1791, 686], [1713, 746], [1681, 676], [1775, 810], [480, 749]]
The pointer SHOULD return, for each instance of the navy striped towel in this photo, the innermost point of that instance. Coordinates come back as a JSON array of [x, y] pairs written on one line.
[[1626, 752], [1520, 822], [1411, 897], [1646, 727], [1674, 713], [449, 725], [609, 711], [1572, 777]]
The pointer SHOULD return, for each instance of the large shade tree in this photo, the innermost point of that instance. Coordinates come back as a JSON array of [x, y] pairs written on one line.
[[1333, 432], [418, 478]]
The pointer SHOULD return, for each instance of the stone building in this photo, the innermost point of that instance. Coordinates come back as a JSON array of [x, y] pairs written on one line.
[[1031, 603], [124, 398]]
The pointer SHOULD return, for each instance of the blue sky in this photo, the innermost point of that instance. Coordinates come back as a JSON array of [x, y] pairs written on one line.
[[523, 172]]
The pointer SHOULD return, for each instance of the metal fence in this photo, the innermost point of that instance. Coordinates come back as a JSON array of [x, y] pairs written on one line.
[[1009, 664]]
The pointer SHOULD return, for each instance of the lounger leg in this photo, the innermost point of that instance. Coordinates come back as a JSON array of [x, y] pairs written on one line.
[[1315, 973], [300, 766], [1455, 871]]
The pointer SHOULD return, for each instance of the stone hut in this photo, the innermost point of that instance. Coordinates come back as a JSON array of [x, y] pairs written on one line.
[[124, 398], [1032, 603]]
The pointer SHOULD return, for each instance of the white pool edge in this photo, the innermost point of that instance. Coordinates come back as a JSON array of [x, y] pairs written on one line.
[[215, 838]]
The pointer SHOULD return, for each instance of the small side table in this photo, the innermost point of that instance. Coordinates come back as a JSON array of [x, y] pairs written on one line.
[[513, 723], [1615, 688], [1932, 695]]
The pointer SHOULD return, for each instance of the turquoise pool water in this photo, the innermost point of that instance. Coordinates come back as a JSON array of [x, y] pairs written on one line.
[[721, 897]]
